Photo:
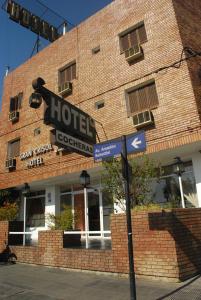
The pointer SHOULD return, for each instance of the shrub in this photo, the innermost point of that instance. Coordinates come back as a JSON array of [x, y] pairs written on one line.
[[63, 221], [8, 211]]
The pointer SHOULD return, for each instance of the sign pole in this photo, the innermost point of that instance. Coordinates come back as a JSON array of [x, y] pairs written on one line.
[[125, 173]]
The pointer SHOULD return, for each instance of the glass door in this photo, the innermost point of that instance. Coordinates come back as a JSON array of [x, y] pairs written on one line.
[[94, 215]]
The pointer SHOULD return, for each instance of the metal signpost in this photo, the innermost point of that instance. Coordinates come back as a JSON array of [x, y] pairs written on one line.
[[122, 146]]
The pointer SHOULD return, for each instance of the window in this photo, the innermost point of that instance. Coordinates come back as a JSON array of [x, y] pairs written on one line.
[[35, 210], [133, 37], [67, 74], [142, 98], [13, 148], [16, 102]]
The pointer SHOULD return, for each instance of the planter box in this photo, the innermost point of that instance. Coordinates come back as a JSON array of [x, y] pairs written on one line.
[[71, 240]]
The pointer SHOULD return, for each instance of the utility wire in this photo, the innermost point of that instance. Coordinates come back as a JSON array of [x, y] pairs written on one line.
[[192, 53]]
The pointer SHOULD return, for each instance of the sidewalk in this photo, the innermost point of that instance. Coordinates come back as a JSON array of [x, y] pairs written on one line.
[[20, 282]]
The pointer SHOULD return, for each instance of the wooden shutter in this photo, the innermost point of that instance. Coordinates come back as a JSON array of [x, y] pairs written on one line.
[[12, 104], [125, 42], [61, 77], [133, 38], [142, 99], [142, 34], [13, 149], [67, 74]]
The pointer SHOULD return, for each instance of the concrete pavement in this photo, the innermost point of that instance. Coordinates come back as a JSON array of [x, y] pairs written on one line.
[[25, 282]]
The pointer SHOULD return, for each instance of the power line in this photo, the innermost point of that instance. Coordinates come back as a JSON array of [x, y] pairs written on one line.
[[175, 64], [192, 53]]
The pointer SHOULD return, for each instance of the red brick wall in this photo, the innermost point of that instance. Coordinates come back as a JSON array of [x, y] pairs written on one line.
[[166, 244], [3, 234]]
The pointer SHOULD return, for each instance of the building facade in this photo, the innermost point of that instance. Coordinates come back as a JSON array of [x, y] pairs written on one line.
[[134, 65]]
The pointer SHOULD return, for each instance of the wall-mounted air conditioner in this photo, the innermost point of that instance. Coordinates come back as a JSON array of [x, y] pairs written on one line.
[[65, 88], [11, 163], [143, 119], [133, 53], [13, 116]]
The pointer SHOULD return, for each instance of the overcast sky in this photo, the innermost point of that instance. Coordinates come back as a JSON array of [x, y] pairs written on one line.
[[16, 42]]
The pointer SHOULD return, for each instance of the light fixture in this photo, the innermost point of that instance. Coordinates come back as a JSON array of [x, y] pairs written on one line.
[[84, 178], [178, 167], [26, 188], [35, 100]]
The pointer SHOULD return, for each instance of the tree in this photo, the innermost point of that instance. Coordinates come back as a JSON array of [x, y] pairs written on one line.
[[143, 172]]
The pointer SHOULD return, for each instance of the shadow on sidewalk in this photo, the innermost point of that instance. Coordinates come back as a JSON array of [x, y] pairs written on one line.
[[180, 288]]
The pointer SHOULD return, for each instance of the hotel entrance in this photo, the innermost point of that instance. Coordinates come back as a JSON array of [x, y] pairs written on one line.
[[92, 210]]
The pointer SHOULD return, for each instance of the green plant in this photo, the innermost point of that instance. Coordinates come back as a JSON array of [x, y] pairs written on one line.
[[143, 171], [8, 211], [63, 221]]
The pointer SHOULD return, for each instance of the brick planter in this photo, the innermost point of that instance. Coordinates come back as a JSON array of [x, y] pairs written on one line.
[[167, 244]]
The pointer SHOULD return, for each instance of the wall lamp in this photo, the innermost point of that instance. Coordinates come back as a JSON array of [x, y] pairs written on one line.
[[84, 179]]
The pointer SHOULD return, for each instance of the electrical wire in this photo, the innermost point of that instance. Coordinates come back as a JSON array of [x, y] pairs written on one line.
[[177, 64]]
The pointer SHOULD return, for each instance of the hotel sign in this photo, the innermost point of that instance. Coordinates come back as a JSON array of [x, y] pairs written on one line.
[[62, 139], [25, 18], [64, 116], [36, 161]]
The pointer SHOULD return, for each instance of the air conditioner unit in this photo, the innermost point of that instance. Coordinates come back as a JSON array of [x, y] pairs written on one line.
[[13, 116], [65, 88], [133, 53], [143, 119], [11, 163]]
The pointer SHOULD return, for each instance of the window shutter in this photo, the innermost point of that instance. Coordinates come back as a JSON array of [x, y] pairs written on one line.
[[142, 34], [133, 102], [12, 104], [14, 148], [67, 74], [152, 96], [124, 42], [133, 38], [142, 99], [61, 77]]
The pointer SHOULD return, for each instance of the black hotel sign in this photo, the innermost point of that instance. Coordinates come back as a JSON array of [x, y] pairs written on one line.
[[74, 128], [25, 18]]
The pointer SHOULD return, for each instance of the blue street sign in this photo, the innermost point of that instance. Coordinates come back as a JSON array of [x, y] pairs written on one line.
[[135, 143], [108, 149]]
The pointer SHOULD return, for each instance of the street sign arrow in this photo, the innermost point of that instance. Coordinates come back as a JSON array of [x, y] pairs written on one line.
[[136, 142]]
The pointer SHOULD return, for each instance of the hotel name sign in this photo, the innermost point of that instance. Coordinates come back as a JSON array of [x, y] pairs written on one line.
[[27, 19], [73, 128], [38, 160]]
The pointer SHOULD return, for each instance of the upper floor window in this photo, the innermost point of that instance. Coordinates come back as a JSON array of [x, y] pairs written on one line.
[[16, 102], [66, 75], [142, 98], [133, 37], [13, 148]]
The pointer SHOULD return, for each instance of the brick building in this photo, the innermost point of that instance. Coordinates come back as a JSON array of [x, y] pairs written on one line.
[[133, 65]]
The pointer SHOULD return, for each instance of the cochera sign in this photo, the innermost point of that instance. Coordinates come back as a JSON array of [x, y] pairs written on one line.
[[64, 117], [25, 18], [62, 139]]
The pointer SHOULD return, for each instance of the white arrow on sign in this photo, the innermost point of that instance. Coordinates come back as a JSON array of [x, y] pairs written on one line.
[[136, 142]]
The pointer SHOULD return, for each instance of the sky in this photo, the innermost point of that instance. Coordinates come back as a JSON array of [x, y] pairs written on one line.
[[17, 42]]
